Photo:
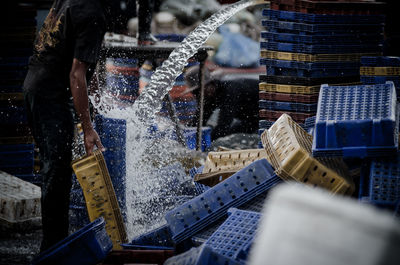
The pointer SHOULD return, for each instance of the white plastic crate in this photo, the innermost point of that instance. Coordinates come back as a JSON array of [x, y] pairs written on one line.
[[310, 227], [19, 200]]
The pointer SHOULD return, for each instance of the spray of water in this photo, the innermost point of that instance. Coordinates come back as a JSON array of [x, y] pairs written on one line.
[[154, 170]]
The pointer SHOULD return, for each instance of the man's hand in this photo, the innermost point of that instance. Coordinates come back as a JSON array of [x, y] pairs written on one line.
[[91, 139]]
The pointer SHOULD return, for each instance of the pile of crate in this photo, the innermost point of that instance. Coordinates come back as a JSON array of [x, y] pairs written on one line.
[[379, 69], [309, 43], [16, 142]]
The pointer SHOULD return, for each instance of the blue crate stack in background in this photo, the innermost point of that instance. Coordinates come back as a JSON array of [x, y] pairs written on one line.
[[305, 45], [16, 143]]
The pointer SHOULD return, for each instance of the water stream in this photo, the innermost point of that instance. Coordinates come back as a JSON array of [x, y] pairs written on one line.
[[154, 171]]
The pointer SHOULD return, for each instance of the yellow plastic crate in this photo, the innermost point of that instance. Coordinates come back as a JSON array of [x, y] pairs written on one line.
[[303, 57], [364, 70], [11, 96], [92, 174], [288, 149], [17, 140], [292, 89], [221, 165]]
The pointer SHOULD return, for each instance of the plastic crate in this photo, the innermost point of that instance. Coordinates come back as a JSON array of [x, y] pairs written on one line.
[[365, 70], [360, 38], [325, 18], [309, 65], [78, 217], [273, 115], [17, 159], [221, 165], [309, 125], [365, 125], [202, 255], [264, 124], [320, 48], [295, 72], [237, 231], [349, 57], [381, 183], [288, 89], [196, 214], [287, 97], [327, 29], [200, 188], [330, 7], [371, 80], [288, 148], [289, 106], [13, 115], [19, 200], [100, 198], [191, 138], [170, 37], [89, 245], [201, 237], [380, 61], [307, 81], [159, 238]]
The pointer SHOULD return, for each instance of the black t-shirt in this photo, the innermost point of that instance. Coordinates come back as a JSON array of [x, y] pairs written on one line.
[[72, 29]]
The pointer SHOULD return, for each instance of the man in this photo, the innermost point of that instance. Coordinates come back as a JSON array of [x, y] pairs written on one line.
[[67, 44], [236, 99]]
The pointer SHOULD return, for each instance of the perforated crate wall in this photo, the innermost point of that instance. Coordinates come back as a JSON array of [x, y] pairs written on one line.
[[200, 212], [356, 121], [235, 233], [288, 148]]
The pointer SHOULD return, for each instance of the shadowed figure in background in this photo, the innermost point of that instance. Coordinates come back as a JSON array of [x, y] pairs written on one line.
[[236, 99]]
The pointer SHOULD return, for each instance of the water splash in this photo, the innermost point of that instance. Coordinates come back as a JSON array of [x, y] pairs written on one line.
[[153, 164]]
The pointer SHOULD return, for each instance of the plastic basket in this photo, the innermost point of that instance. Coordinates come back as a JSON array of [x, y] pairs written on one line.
[[273, 115], [360, 38], [365, 125], [221, 165], [324, 18], [381, 183], [196, 214], [328, 29], [100, 198], [320, 48], [371, 80], [202, 255], [288, 148], [237, 231], [330, 7], [288, 89], [349, 57], [159, 238], [289, 106], [365, 70], [89, 245], [288, 97], [380, 61], [309, 65], [307, 81]]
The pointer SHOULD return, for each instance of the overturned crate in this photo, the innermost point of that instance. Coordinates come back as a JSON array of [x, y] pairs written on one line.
[[288, 149]]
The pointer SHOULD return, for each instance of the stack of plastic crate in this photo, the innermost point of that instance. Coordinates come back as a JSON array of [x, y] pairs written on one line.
[[16, 143], [309, 43], [379, 69]]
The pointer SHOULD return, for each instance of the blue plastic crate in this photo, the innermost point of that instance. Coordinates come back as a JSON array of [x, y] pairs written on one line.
[[309, 65], [356, 121], [322, 18], [202, 236], [14, 61], [202, 255], [88, 246], [159, 238], [256, 204], [317, 49], [77, 198], [380, 182], [122, 85], [237, 231], [200, 188], [371, 80], [289, 106], [196, 214], [309, 125], [264, 124], [328, 29], [17, 159], [191, 138], [170, 37], [360, 38], [78, 217], [123, 62], [380, 61]]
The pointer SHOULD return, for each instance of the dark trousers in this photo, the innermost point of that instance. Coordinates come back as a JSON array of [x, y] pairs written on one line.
[[52, 125]]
